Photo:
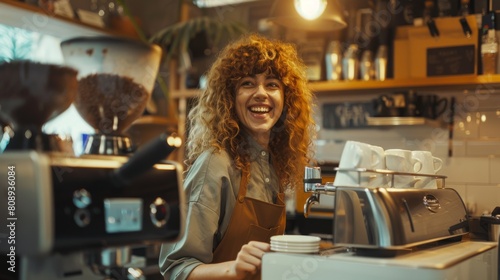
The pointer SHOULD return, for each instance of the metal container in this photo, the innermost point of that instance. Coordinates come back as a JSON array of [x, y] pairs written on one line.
[[333, 60], [492, 226], [395, 219], [350, 63]]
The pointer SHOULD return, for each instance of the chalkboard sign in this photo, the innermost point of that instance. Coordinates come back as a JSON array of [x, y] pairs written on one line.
[[457, 60], [346, 114]]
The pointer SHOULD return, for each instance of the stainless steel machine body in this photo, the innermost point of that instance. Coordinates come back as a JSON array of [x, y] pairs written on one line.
[[74, 219], [388, 219]]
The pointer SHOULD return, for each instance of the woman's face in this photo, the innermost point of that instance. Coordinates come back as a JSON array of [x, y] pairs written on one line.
[[259, 104]]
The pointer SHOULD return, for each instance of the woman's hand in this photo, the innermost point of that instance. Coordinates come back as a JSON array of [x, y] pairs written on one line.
[[248, 262], [249, 259]]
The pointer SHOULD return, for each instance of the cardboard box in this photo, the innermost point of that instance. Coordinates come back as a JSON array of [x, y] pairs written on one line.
[[417, 54]]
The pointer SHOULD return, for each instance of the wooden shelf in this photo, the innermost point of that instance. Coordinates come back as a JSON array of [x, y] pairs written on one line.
[[29, 17], [185, 93], [398, 121], [470, 82], [466, 82]]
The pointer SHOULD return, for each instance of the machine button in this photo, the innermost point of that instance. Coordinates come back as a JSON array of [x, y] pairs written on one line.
[[81, 198], [159, 212], [82, 217]]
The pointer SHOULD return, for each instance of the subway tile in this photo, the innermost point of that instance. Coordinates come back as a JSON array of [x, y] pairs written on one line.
[[328, 151], [483, 148], [441, 149], [495, 170], [490, 124], [466, 126], [462, 170], [475, 101], [483, 198]]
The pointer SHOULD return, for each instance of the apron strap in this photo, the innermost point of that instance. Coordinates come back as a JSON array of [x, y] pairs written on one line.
[[242, 192]]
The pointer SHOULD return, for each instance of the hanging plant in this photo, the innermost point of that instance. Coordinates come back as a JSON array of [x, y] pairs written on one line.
[[175, 39]]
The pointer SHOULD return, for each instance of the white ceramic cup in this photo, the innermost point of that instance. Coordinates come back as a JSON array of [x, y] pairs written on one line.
[[430, 165], [400, 160], [360, 155], [378, 162]]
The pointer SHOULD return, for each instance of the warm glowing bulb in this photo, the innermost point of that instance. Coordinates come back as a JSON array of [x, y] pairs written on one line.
[[310, 9]]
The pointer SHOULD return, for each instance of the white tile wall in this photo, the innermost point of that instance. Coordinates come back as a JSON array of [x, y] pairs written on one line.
[[474, 167], [483, 148], [466, 170], [495, 170], [482, 199]]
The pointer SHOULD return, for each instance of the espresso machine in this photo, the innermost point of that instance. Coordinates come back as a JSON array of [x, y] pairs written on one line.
[[388, 233], [101, 215]]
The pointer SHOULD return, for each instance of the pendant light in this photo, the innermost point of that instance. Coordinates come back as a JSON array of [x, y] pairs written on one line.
[[310, 9], [308, 15]]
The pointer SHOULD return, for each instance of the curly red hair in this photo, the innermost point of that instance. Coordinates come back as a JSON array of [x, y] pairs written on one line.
[[213, 123]]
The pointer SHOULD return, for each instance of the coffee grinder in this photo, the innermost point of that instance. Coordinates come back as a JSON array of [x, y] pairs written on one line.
[[31, 94], [80, 218], [115, 80]]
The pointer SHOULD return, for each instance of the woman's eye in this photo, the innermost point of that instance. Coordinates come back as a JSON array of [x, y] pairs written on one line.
[[273, 85], [246, 84]]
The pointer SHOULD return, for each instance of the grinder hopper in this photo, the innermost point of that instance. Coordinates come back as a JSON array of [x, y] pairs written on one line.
[[31, 94], [115, 80]]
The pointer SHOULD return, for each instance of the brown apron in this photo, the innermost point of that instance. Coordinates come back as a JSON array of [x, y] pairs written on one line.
[[252, 220]]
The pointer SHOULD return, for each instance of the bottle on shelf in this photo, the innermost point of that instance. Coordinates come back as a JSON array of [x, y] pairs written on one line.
[[488, 19], [489, 52], [464, 8], [350, 63], [333, 60], [381, 60], [367, 66]]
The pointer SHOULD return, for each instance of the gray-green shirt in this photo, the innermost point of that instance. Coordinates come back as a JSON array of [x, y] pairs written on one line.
[[211, 187]]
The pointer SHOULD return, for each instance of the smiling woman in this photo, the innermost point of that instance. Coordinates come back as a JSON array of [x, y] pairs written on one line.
[[251, 135]]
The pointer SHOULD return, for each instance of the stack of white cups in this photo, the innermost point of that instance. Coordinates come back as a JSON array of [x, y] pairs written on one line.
[[361, 155], [406, 161]]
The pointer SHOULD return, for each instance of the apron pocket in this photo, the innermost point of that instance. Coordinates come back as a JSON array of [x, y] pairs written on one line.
[[257, 233]]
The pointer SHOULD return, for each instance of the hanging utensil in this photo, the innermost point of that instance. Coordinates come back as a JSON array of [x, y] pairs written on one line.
[[429, 21], [451, 125], [464, 12]]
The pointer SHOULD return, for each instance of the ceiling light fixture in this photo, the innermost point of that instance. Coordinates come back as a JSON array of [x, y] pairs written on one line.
[[217, 3], [329, 15], [310, 9]]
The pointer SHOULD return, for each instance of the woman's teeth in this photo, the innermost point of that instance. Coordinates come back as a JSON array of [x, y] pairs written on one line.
[[260, 109]]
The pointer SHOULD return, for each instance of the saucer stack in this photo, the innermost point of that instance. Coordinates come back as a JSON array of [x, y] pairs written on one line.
[[304, 244]]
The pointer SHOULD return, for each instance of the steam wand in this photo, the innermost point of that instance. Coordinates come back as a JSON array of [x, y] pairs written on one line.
[[144, 159]]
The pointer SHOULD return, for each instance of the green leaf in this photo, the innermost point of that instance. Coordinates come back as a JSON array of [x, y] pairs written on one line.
[[175, 38]]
